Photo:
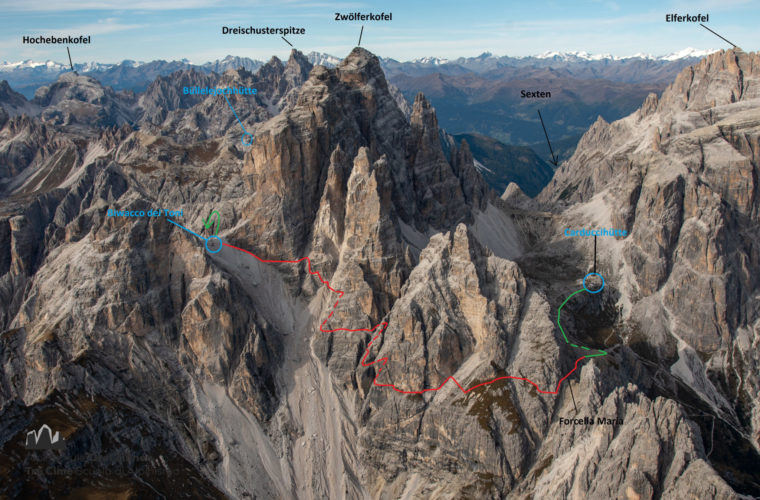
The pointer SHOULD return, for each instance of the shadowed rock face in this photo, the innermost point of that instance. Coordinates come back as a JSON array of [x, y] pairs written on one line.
[[681, 176], [239, 377], [684, 173]]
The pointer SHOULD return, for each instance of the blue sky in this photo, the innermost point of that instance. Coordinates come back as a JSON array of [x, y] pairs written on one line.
[[175, 29]]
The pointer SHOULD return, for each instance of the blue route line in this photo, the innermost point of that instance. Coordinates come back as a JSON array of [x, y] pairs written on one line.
[[186, 229], [234, 113]]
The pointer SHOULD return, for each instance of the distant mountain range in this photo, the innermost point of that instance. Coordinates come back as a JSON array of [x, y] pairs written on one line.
[[472, 95], [26, 76], [565, 56], [483, 94], [634, 69]]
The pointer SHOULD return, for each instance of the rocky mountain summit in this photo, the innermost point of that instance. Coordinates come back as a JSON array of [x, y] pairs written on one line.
[[171, 370]]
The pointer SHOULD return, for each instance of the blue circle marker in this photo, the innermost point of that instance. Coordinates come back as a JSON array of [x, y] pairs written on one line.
[[250, 139], [215, 240], [593, 274]]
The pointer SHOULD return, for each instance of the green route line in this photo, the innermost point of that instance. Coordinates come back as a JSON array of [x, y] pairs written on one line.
[[559, 312], [208, 222]]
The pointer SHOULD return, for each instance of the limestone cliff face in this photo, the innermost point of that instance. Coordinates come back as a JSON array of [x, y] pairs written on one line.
[[723, 78], [232, 377], [166, 94], [194, 118], [336, 176], [436, 187], [345, 109], [681, 176]]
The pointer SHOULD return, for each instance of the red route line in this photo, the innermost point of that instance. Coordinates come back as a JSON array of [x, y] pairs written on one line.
[[383, 326]]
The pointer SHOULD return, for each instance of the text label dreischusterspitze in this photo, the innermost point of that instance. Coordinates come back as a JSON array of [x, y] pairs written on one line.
[[267, 30]]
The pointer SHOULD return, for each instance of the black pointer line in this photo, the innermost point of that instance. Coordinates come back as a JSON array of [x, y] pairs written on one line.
[[286, 41], [554, 158], [594, 254], [70, 63], [570, 385], [360, 36], [714, 33]]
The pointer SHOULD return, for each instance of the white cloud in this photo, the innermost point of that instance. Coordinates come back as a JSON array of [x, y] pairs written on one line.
[[101, 27]]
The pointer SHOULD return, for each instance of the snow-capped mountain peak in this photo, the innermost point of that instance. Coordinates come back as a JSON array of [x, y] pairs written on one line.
[[687, 52], [330, 60], [29, 64], [323, 59], [573, 56], [435, 61]]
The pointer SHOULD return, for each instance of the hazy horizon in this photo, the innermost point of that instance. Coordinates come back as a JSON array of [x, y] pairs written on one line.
[[285, 57]]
